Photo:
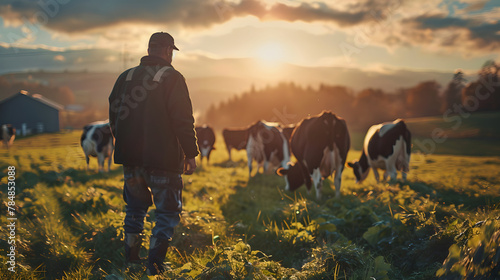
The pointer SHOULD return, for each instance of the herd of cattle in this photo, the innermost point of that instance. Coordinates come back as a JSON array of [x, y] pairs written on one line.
[[320, 145]]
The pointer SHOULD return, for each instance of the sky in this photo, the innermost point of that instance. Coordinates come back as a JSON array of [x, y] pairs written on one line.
[[375, 35]]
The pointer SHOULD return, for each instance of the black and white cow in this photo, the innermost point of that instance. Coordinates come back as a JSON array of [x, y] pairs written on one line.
[[266, 145], [320, 144], [206, 140], [97, 141], [235, 139], [387, 146], [7, 135]]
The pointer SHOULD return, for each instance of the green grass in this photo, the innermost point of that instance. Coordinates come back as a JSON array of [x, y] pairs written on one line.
[[70, 220]]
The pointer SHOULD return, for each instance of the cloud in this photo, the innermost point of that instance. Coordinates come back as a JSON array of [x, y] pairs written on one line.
[[467, 34], [468, 26], [476, 5], [81, 16]]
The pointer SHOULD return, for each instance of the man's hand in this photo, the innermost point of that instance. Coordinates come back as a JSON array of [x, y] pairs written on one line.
[[189, 166]]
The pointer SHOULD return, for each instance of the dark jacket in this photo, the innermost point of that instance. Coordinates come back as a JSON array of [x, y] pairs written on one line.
[[152, 122]]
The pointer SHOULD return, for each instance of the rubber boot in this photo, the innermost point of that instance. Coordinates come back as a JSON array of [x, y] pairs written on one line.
[[157, 252], [133, 243]]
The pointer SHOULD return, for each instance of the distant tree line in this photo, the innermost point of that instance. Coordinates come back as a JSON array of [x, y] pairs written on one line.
[[288, 103]]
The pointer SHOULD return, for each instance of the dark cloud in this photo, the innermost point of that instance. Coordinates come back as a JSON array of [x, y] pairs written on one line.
[[71, 16], [321, 12], [461, 31], [479, 5]]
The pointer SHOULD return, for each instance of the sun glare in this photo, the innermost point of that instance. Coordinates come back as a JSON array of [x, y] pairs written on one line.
[[270, 52]]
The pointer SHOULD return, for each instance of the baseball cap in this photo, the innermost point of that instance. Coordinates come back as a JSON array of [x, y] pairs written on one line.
[[161, 39]]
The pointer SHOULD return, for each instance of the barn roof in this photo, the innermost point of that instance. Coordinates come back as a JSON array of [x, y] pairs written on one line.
[[37, 97]]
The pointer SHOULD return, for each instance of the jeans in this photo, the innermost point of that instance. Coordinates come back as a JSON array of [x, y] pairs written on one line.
[[143, 187]]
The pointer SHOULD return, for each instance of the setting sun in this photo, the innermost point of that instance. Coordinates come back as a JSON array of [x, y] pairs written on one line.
[[270, 52]]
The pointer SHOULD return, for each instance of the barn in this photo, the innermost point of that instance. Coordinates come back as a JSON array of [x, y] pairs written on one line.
[[30, 113]]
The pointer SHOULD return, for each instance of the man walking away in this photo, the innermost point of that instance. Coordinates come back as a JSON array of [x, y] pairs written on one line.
[[151, 118]]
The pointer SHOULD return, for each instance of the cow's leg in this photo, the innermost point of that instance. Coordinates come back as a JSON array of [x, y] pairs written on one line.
[[11, 141], [375, 172], [249, 159], [229, 152], [338, 181], [109, 163], [88, 161], [390, 166], [266, 166], [392, 171], [385, 175], [406, 166], [100, 162], [318, 189], [317, 182]]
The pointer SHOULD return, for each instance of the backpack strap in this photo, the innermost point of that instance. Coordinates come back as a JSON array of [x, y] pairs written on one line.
[[160, 73], [130, 74]]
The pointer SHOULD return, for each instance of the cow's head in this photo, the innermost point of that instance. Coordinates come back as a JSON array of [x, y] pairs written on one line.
[[294, 176], [360, 172], [206, 148]]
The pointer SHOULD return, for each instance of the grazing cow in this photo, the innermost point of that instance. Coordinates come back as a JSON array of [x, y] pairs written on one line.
[[7, 135], [320, 144], [387, 146], [267, 145], [97, 141], [235, 139], [206, 141]]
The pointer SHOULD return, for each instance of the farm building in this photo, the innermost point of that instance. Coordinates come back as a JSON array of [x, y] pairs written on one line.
[[30, 113]]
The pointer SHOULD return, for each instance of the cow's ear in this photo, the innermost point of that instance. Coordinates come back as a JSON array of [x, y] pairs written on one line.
[[350, 164], [282, 171]]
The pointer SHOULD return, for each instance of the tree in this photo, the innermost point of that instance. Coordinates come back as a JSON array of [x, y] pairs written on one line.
[[372, 106], [489, 68], [423, 99], [453, 92], [484, 94]]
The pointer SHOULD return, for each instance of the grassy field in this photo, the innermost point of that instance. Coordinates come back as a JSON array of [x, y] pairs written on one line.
[[443, 223]]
